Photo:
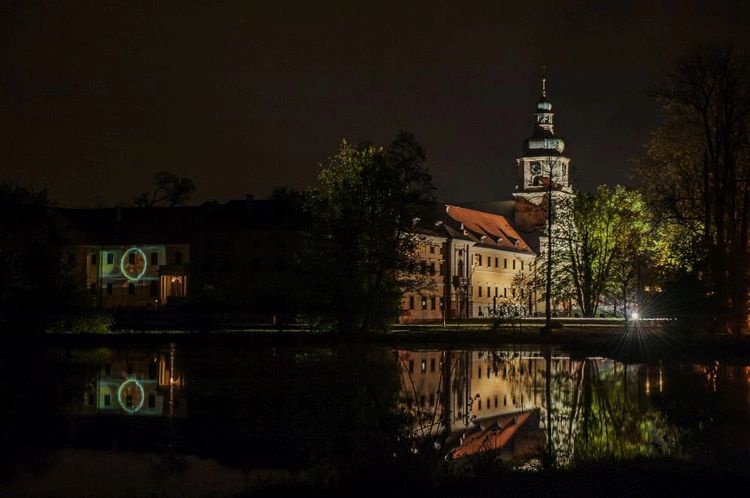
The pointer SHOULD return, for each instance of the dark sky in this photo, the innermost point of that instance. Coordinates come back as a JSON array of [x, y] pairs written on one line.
[[244, 96]]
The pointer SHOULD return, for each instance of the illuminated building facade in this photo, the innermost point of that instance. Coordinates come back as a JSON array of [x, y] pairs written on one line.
[[477, 257], [142, 383], [235, 253], [131, 258], [487, 249]]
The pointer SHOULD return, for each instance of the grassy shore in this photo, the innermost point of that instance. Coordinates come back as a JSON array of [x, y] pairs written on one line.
[[636, 342]]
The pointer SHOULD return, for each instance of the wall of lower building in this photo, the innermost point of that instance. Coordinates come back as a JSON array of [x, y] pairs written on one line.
[[427, 304], [130, 276], [492, 280]]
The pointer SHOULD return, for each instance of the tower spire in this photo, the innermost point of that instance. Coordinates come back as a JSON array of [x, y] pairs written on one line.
[[544, 80]]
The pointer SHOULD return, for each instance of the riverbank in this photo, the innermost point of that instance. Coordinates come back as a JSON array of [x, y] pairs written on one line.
[[640, 341]]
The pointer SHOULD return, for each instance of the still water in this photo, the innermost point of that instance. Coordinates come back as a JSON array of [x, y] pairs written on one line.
[[187, 420]]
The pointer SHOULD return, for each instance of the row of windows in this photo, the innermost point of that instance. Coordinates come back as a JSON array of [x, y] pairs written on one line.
[[497, 262], [423, 365], [497, 292], [487, 402], [154, 258], [425, 300], [505, 370], [107, 401], [152, 370], [422, 400], [153, 288], [428, 267]]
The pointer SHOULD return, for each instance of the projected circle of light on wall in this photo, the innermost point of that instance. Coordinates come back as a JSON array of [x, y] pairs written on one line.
[[133, 388], [134, 271]]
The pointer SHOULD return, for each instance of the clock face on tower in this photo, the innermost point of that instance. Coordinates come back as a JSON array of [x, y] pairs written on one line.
[[536, 168]]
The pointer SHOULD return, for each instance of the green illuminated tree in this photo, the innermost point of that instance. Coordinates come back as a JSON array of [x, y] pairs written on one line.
[[696, 173], [602, 238], [362, 251]]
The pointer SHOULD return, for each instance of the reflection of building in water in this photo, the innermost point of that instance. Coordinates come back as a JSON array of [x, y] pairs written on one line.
[[138, 383], [492, 399]]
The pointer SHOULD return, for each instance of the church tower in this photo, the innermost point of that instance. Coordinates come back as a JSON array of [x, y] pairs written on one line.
[[542, 170]]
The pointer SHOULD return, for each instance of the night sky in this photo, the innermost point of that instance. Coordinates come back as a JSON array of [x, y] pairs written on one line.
[[246, 96]]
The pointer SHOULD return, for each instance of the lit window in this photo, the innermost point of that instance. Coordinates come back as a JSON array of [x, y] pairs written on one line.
[[423, 366], [424, 302]]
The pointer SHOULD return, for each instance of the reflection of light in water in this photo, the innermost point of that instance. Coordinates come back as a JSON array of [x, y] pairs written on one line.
[[661, 380]]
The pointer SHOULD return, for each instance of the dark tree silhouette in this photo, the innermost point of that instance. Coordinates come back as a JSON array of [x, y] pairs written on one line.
[[169, 190]]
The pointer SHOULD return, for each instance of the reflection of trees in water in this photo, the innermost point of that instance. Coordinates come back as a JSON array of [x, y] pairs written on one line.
[[588, 409], [612, 424]]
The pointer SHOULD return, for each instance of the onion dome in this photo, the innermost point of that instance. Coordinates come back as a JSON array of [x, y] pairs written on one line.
[[543, 141]]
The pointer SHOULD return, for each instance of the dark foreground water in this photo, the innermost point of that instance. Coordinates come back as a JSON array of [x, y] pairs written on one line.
[[174, 420]]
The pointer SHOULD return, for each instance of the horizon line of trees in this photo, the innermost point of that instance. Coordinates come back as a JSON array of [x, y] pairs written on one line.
[[683, 227]]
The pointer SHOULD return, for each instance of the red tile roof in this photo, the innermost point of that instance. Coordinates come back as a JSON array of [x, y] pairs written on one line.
[[491, 230]]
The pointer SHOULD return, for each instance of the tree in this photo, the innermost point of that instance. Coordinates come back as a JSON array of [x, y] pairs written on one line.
[[696, 173], [362, 248], [602, 240], [169, 190], [38, 282]]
